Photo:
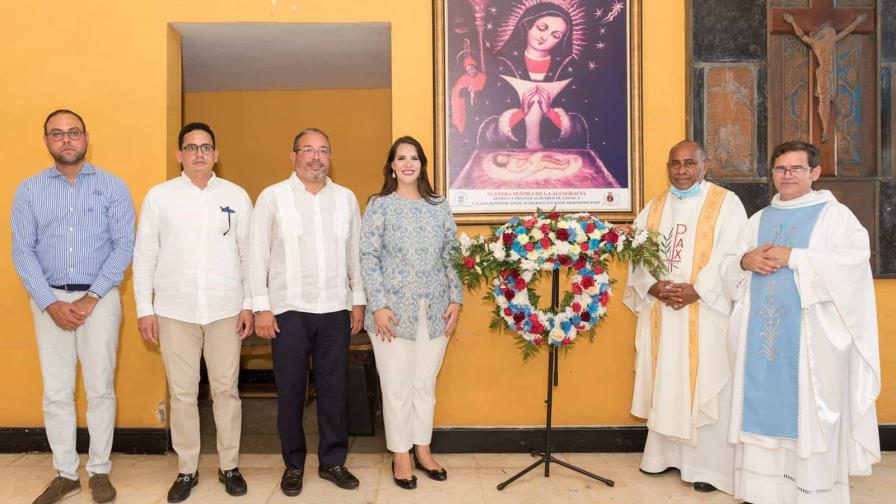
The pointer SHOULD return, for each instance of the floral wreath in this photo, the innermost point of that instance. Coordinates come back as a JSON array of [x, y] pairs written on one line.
[[516, 254]]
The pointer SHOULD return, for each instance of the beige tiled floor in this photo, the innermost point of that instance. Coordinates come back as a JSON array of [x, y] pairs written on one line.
[[473, 477]]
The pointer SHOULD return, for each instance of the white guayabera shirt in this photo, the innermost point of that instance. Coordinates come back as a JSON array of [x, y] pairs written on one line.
[[304, 249]]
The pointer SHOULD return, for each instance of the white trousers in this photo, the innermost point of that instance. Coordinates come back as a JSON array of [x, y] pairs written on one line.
[[408, 372], [183, 344], [95, 344]]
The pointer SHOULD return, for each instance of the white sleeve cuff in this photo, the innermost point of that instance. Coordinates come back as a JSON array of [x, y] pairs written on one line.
[[145, 309], [261, 303]]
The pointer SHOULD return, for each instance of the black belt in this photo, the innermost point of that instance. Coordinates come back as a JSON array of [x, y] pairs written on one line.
[[72, 287]]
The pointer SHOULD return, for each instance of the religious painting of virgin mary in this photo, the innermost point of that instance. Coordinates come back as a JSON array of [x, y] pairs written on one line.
[[536, 107]]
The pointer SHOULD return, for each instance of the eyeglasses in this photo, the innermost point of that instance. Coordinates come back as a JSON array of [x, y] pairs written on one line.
[[309, 151], [688, 163], [72, 134], [796, 171], [193, 148]]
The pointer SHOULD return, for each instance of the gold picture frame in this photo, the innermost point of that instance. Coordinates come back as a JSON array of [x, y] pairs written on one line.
[[496, 158]]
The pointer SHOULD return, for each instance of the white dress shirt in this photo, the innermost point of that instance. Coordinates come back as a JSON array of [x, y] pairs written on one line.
[[304, 252], [192, 251]]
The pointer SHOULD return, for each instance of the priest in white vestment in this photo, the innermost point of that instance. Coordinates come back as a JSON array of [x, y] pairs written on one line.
[[682, 368], [807, 370]]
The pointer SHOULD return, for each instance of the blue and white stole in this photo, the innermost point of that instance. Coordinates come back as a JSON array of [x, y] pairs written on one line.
[[771, 374]]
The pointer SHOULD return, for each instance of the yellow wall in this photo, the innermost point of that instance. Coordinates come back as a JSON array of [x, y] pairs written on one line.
[[111, 62], [254, 132]]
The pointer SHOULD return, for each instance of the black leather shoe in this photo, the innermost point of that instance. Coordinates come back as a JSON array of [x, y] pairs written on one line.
[[291, 482], [340, 476], [234, 484], [407, 484], [704, 487], [433, 474], [180, 490]]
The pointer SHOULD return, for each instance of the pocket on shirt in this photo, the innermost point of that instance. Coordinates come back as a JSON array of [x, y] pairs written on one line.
[[227, 227]]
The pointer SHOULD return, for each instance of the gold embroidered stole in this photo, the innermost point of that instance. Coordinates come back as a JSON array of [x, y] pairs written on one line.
[[703, 242]]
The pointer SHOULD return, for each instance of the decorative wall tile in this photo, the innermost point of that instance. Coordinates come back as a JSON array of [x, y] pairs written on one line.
[[855, 106], [725, 30], [788, 85], [730, 101], [886, 15]]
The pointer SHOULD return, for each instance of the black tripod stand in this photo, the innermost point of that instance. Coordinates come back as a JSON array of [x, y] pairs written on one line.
[[553, 381]]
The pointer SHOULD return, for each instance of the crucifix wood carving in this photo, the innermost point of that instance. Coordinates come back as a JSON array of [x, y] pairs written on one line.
[[826, 25]]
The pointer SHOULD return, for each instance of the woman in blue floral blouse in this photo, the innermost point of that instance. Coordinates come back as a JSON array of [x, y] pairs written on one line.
[[413, 301]]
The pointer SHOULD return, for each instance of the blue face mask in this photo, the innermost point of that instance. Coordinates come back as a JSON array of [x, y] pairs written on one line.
[[687, 193]]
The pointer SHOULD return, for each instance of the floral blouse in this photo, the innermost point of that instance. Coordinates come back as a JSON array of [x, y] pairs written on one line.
[[406, 248]]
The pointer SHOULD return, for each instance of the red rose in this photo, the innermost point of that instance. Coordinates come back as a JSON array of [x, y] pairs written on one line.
[[576, 289], [604, 297], [533, 317], [611, 237], [537, 341], [529, 246], [576, 307], [580, 263], [545, 228], [508, 312], [509, 294], [554, 215], [519, 283], [469, 262], [564, 260], [566, 342], [545, 242], [586, 317], [529, 223], [598, 270], [562, 234], [508, 238], [584, 246], [537, 328], [587, 281], [589, 228], [518, 318]]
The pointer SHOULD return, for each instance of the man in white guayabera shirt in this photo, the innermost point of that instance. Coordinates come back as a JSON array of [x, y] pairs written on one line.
[[682, 370], [305, 276], [192, 254], [804, 324]]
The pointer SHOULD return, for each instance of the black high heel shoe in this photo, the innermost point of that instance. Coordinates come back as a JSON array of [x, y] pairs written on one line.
[[434, 474], [407, 484]]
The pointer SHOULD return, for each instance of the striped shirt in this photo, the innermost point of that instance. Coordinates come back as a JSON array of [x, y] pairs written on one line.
[[71, 234]]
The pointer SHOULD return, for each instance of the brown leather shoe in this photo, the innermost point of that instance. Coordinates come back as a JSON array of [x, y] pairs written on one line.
[[101, 488], [58, 489]]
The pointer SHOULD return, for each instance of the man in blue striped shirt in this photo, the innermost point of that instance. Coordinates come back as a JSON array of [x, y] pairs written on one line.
[[73, 236]]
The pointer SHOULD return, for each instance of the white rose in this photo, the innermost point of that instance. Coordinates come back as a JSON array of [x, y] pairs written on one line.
[[563, 248], [557, 334]]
